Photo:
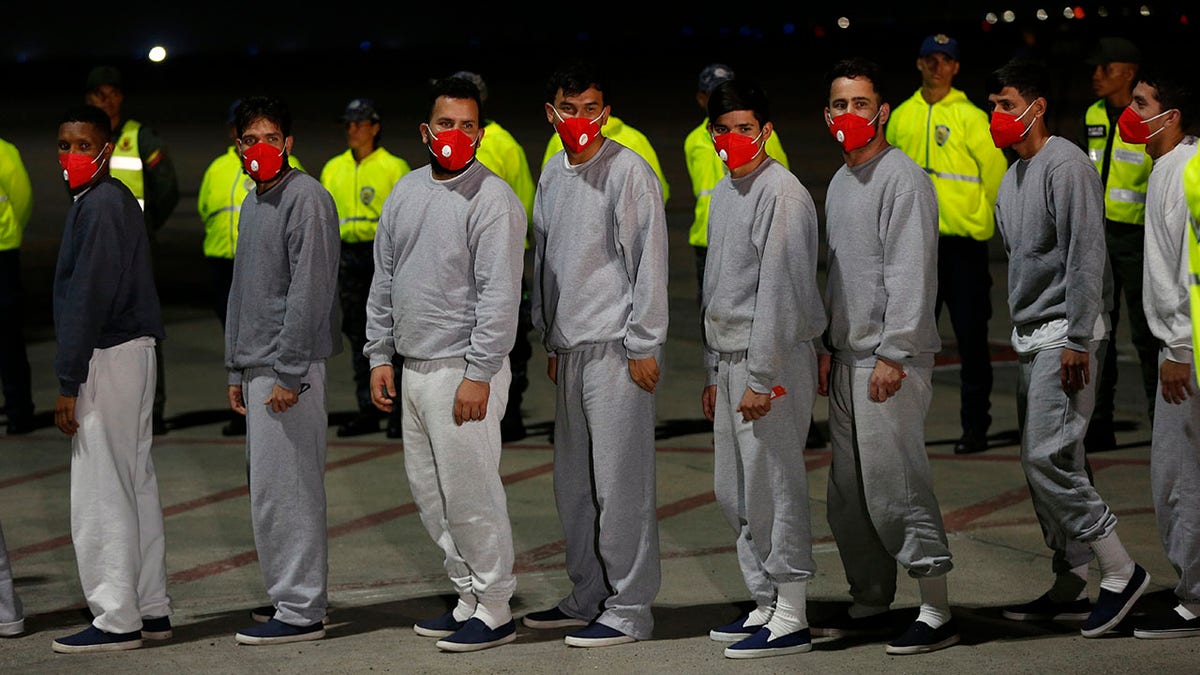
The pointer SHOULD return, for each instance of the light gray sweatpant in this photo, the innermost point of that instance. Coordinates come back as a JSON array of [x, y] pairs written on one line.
[[1175, 482], [1053, 424], [605, 491], [882, 508], [759, 476], [116, 515], [285, 458], [11, 612], [454, 475]]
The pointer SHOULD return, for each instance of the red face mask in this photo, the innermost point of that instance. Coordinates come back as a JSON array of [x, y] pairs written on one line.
[[735, 149], [452, 149], [1008, 129], [577, 132], [263, 162], [1134, 129], [79, 169], [852, 131]]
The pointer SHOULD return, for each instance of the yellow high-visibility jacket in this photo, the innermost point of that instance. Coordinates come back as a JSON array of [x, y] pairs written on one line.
[[222, 191], [359, 190], [1191, 189], [626, 136], [951, 140], [1128, 170], [16, 197], [705, 169]]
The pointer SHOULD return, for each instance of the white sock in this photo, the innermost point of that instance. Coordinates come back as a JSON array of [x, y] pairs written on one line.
[[494, 616], [464, 609], [791, 609], [935, 607], [1069, 586], [860, 611], [761, 615], [1188, 611], [1116, 567]]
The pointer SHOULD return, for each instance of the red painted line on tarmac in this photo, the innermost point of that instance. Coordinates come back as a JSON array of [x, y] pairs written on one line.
[[39, 547], [36, 475], [960, 518]]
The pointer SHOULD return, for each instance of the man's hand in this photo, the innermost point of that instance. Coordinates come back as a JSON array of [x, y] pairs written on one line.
[[383, 387], [552, 368], [1177, 383], [236, 403], [1074, 373], [708, 402], [644, 373], [470, 401], [824, 365], [64, 414], [886, 379], [281, 399], [754, 405]]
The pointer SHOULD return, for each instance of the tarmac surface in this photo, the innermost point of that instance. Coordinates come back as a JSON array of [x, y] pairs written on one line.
[[385, 573]]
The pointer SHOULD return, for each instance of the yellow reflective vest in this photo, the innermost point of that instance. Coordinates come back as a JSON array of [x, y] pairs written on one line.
[[222, 191], [359, 190], [1191, 190], [501, 153], [126, 163], [951, 140], [1128, 169], [626, 136], [705, 169], [16, 197]]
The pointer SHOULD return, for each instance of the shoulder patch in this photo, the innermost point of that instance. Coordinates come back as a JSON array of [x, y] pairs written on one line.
[[941, 134], [367, 194]]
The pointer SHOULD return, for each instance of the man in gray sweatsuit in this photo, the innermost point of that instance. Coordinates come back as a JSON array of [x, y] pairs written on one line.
[[882, 227], [600, 303], [445, 295], [281, 327], [1050, 211]]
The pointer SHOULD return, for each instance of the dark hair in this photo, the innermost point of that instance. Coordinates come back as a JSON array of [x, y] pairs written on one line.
[[254, 107], [89, 114], [1030, 78], [454, 87], [575, 77], [1175, 88], [855, 68], [736, 94]]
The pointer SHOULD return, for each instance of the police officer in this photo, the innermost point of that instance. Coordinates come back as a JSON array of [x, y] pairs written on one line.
[[360, 180], [16, 206], [947, 134], [1124, 170]]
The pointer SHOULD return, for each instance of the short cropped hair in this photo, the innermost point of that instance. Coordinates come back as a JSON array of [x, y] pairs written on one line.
[[738, 94], [575, 77], [89, 114], [1030, 78], [856, 68], [254, 107], [455, 87], [1175, 88]]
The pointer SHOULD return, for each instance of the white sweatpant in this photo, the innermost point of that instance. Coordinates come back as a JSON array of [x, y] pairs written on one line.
[[116, 517], [454, 475]]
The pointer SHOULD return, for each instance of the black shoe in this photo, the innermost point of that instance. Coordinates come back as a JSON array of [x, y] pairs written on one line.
[[235, 427], [843, 625], [362, 423], [21, 425], [972, 441], [158, 425], [1167, 625], [1099, 436], [1045, 609], [920, 638], [816, 439], [1112, 607]]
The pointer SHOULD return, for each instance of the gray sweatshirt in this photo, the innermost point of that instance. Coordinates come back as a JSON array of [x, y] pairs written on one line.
[[104, 292], [1050, 211], [1166, 279], [282, 304], [882, 225], [600, 253], [448, 258], [760, 281]]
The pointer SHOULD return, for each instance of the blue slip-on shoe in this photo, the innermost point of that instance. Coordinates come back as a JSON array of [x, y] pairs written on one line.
[[1112, 607], [475, 635], [1045, 609], [734, 632], [92, 639], [551, 618], [1168, 624], [276, 632], [443, 626], [598, 635], [762, 644], [156, 628], [921, 638]]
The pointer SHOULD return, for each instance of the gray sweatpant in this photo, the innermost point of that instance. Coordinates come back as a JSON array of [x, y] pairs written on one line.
[[759, 476], [1175, 482], [1053, 424], [454, 475], [605, 491], [285, 458], [11, 612], [882, 508]]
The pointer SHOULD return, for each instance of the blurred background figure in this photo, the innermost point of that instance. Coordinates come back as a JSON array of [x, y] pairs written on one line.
[[16, 207]]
